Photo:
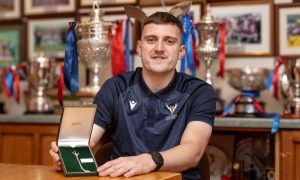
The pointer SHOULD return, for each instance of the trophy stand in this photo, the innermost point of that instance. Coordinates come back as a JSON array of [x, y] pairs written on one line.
[[208, 48], [39, 76]]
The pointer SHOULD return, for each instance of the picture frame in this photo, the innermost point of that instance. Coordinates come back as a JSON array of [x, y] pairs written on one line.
[[89, 3], [196, 10], [167, 2], [249, 27], [11, 45], [10, 9], [48, 35], [36, 7], [288, 29]]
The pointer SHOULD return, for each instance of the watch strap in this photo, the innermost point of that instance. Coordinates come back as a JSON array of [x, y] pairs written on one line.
[[158, 160]]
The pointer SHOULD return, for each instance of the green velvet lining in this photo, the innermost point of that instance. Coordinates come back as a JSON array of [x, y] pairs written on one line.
[[71, 164]]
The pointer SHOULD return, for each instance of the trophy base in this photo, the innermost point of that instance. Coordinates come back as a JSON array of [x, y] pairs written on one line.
[[246, 108], [291, 116], [39, 105], [89, 90]]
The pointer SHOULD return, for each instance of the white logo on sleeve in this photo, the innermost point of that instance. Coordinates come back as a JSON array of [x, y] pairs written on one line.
[[132, 103]]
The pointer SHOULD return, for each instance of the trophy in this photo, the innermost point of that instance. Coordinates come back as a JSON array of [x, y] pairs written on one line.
[[93, 47], [250, 81], [290, 88], [208, 49], [39, 77]]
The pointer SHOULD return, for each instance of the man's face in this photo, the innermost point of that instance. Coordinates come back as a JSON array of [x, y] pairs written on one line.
[[160, 47]]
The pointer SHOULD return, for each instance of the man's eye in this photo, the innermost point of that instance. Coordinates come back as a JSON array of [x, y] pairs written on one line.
[[150, 40], [170, 41]]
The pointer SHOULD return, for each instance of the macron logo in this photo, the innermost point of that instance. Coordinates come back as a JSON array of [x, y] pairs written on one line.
[[132, 103]]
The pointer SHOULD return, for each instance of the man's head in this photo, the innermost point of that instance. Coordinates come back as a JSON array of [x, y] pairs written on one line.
[[163, 18], [160, 47]]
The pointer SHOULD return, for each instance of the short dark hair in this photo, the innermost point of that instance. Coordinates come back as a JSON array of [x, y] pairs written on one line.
[[163, 18]]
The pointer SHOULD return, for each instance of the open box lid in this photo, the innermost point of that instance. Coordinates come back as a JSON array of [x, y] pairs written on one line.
[[76, 125]]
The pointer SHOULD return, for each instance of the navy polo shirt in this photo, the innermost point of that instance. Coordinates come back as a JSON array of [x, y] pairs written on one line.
[[142, 121]]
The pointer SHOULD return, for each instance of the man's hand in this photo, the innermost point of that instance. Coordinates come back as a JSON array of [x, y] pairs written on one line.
[[54, 154], [128, 166]]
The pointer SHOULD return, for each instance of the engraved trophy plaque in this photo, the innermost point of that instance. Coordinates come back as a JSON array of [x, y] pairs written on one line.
[[39, 77], [208, 49], [290, 88], [93, 47]]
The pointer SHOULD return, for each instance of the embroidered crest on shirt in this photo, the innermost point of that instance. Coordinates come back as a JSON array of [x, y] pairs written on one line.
[[171, 108], [132, 103]]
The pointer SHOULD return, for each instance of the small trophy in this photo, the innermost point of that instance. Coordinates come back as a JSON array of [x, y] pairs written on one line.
[[39, 77], [93, 47], [208, 49]]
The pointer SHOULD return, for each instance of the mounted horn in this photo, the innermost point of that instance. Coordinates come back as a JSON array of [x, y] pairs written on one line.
[[181, 8], [135, 13]]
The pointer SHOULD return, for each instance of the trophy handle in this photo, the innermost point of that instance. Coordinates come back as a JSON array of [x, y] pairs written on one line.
[[181, 8], [135, 13]]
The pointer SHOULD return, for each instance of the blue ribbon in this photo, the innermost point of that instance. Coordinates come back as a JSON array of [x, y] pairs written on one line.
[[269, 80], [127, 45], [9, 83], [186, 40], [254, 94], [276, 121], [71, 61]]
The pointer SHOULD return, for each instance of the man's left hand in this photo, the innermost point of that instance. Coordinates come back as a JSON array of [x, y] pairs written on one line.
[[128, 166]]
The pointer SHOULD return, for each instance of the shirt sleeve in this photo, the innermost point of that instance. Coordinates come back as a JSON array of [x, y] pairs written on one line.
[[104, 100], [203, 104]]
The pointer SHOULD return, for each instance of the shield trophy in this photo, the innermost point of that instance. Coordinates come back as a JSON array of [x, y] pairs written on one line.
[[93, 47], [40, 70]]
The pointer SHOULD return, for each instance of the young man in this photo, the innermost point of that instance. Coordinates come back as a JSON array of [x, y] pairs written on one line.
[[160, 119]]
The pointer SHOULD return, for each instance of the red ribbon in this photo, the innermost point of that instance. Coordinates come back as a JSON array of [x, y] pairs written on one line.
[[118, 51], [60, 85], [280, 61], [222, 49]]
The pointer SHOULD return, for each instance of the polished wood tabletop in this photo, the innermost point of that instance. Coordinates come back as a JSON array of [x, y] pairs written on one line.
[[39, 172]]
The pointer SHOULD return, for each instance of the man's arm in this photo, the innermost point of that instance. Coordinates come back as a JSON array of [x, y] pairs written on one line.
[[187, 154], [190, 150]]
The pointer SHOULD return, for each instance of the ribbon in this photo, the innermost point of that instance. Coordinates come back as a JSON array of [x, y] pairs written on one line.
[[127, 45], [222, 49], [118, 51], [273, 78], [257, 106], [60, 86], [71, 61], [186, 40], [195, 35]]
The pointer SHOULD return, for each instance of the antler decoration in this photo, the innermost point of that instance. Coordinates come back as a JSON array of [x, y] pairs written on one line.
[[177, 10]]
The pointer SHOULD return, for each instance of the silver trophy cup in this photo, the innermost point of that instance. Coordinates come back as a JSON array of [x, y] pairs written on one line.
[[250, 81], [39, 77], [208, 49], [93, 47], [290, 88]]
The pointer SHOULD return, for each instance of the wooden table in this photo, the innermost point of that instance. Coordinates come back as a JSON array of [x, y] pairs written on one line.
[[39, 172]]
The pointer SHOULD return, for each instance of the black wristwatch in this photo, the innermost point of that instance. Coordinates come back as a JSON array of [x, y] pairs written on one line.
[[158, 160]]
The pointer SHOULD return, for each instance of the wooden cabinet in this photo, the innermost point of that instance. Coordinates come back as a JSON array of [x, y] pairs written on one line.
[[289, 154], [26, 143]]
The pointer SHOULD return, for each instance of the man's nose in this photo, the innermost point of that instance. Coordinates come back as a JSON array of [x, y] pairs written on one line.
[[159, 46]]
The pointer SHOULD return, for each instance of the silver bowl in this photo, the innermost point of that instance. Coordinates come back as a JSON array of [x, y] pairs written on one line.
[[248, 78]]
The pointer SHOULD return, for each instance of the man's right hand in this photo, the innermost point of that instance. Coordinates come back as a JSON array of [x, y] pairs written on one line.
[[54, 154]]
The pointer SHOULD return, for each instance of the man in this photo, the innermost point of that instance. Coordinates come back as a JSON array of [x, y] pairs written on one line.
[[160, 119]]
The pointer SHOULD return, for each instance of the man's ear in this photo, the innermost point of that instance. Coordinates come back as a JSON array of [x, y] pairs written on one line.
[[138, 47], [181, 52]]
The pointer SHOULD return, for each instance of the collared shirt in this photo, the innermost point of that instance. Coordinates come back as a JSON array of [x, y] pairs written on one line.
[[142, 121]]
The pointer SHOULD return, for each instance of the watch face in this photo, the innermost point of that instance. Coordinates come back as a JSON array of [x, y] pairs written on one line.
[[218, 161]]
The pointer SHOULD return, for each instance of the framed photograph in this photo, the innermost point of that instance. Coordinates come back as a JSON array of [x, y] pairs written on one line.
[[48, 35], [34, 7], [10, 45], [195, 10], [288, 26], [84, 3], [167, 2], [249, 27], [10, 9]]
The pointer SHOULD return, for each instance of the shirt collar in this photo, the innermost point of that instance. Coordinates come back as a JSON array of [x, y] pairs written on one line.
[[160, 94]]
